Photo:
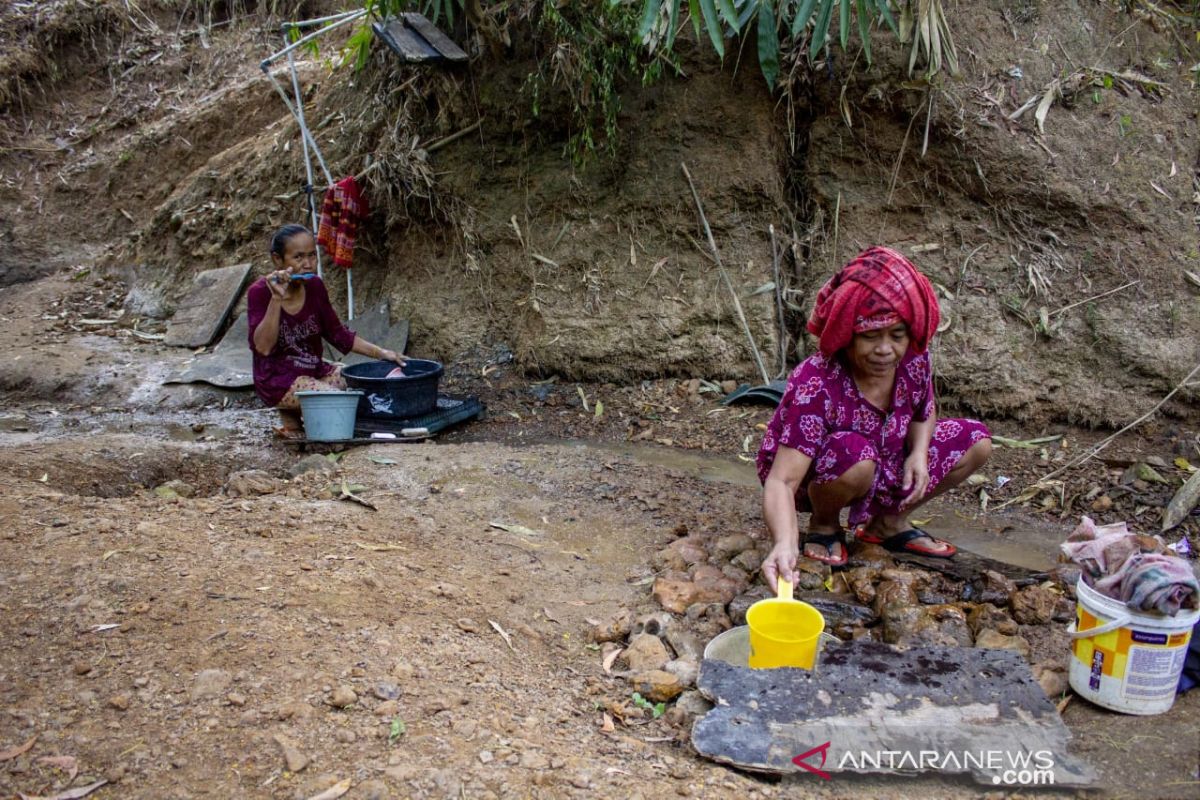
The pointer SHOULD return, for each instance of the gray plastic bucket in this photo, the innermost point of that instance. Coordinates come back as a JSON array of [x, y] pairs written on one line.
[[329, 416]]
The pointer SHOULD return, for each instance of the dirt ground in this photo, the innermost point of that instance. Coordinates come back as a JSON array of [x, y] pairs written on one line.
[[167, 643], [179, 628]]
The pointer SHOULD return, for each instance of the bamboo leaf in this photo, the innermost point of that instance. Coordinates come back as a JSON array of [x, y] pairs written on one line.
[[649, 15], [1043, 107], [821, 29], [694, 13], [864, 31], [729, 14], [906, 25], [768, 42], [844, 22], [948, 42], [803, 14], [715, 34], [886, 13], [747, 11], [672, 22]]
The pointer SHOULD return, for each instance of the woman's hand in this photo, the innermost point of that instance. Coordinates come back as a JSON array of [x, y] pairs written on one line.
[[392, 355], [781, 561], [916, 477], [278, 282]]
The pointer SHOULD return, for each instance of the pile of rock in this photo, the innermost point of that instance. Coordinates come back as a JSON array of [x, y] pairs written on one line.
[[705, 584]]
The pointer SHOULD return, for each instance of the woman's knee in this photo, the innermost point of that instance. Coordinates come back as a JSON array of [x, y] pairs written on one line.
[[860, 475], [978, 454]]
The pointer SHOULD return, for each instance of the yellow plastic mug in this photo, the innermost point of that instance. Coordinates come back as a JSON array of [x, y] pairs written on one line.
[[784, 632]]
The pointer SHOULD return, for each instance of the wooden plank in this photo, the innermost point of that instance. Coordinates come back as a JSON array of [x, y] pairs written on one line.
[[405, 42], [438, 40], [871, 698], [209, 301]]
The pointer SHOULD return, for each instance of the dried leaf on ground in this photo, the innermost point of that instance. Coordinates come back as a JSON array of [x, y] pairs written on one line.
[[69, 794], [333, 792], [13, 752], [1025, 443], [348, 493], [611, 658], [1182, 503], [520, 530], [503, 634], [379, 548], [1044, 106]]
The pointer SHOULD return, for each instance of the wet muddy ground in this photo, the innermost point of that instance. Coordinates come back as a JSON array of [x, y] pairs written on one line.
[[249, 634]]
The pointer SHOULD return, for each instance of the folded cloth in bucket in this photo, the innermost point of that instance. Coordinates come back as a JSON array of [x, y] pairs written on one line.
[[1134, 569], [1153, 582]]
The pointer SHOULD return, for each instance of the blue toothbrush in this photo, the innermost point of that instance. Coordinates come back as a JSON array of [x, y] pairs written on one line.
[[303, 276]]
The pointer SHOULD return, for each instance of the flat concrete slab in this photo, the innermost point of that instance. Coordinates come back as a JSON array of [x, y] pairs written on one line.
[[875, 708], [209, 302], [230, 365]]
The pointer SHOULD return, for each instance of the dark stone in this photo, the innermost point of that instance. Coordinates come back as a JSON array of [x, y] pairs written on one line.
[[740, 604], [868, 696]]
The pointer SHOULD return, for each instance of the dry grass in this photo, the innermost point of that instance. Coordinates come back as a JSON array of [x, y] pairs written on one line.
[[37, 37]]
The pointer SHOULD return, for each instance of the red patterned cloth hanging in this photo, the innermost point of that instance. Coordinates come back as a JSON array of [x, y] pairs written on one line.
[[343, 210]]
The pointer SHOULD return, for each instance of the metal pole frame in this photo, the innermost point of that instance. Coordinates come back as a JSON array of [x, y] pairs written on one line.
[[297, 111]]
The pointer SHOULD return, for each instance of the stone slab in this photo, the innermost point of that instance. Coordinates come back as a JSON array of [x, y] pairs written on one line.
[[206, 307], [376, 327], [230, 365], [979, 710]]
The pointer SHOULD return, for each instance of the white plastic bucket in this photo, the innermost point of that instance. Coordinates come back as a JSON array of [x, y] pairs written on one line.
[[1123, 659]]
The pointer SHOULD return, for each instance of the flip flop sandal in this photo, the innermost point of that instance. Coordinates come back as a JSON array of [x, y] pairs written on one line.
[[827, 540], [905, 542]]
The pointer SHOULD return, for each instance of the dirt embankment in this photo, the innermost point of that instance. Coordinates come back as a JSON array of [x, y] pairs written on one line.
[[600, 272]]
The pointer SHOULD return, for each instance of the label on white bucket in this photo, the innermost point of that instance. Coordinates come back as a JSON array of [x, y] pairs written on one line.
[[1153, 671]]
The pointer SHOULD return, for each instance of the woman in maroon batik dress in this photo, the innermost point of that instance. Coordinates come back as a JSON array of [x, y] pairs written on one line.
[[289, 316], [857, 427]]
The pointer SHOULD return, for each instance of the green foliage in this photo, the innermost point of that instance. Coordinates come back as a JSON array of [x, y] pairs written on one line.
[[396, 730], [591, 48], [922, 23], [655, 709]]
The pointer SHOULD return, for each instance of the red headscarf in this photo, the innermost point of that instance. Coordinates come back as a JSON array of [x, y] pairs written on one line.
[[877, 289]]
